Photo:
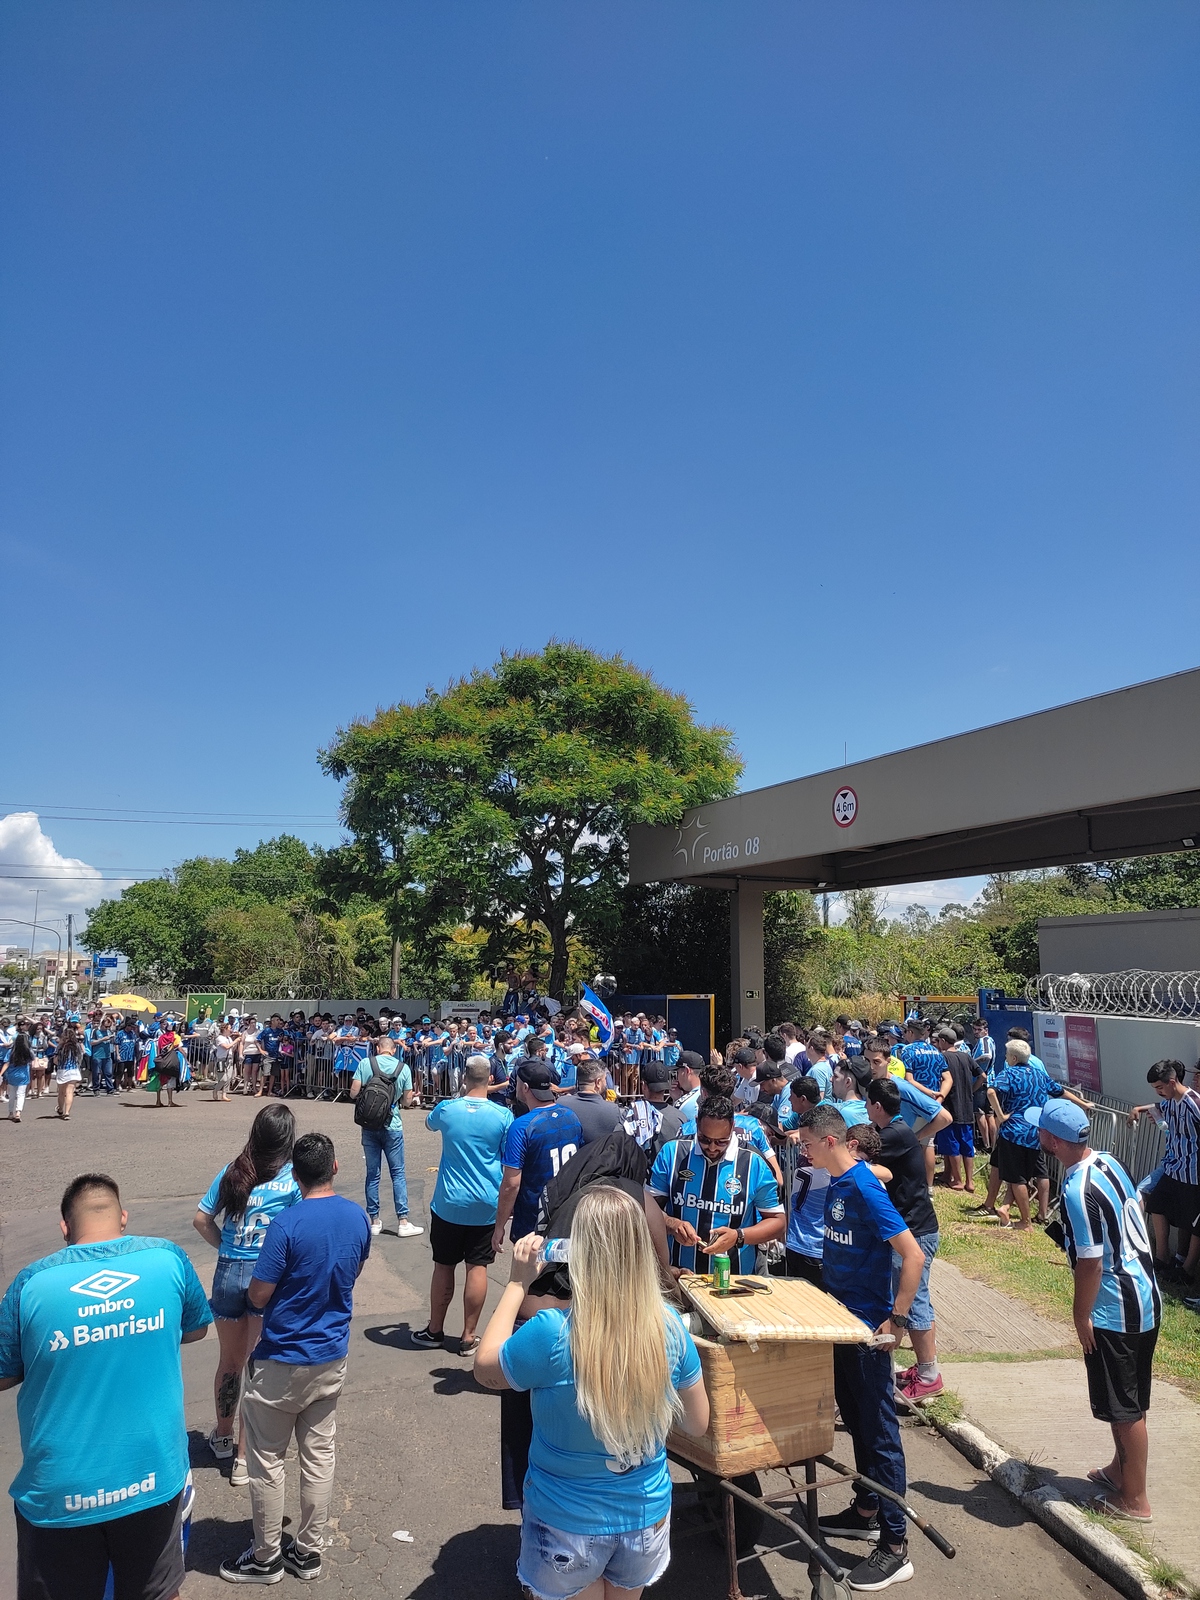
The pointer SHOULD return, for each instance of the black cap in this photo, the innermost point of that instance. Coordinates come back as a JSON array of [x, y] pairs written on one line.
[[692, 1060], [535, 1075], [768, 1072], [656, 1072], [746, 1058], [858, 1070]]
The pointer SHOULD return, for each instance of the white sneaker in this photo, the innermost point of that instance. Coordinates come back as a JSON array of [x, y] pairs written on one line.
[[221, 1447], [376, 1225], [406, 1230], [240, 1475]]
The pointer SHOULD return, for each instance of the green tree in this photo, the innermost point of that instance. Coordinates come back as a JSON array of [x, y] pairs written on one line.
[[255, 950], [509, 796]]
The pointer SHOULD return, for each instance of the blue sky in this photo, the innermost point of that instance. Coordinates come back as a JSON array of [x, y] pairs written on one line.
[[834, 362]]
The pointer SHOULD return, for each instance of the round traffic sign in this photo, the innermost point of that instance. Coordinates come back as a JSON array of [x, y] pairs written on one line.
[[70, 986], [845, 806]]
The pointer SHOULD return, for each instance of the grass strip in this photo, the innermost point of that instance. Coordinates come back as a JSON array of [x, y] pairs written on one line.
[[1030, 1268]]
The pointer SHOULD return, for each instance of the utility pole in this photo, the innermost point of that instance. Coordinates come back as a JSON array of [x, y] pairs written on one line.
[[824, 911], [70, 962]]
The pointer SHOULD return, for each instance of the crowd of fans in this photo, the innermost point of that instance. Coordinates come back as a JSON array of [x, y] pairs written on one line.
[[807, 1153]]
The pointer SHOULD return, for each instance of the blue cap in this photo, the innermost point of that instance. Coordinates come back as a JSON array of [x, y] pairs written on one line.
[[1062, 1118]]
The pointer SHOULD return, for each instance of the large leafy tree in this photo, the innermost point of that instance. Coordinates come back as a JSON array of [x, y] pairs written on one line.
[[509, 796]]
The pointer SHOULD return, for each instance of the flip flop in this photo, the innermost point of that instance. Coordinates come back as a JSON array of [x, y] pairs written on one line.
[[1106, 1509], [468, 1347], [1101, 1479]]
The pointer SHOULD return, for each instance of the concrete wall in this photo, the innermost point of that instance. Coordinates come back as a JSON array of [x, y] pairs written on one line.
[[1129, 1045], [1157, 941]]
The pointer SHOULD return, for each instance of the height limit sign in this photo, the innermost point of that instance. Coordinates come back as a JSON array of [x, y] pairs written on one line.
[[845, 806]]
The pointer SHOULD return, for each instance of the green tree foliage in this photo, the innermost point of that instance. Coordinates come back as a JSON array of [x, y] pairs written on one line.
[[670, 938], [254, 950], [508, 798]]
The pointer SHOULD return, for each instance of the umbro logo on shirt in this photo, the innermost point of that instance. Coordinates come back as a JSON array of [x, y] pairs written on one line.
[[102, 1285]]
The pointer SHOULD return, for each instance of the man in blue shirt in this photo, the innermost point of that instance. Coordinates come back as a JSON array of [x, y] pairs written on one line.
[[687, 1082], [719, 1197], [536, 1148], [92, 1335], [1117, 1306], [922, 1062], [462, 1213], [304, 1284], [862, 1229]]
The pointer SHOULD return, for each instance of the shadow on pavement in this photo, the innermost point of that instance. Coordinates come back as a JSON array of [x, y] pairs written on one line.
[[456, 1380], [481, 1562], [985, 1502]]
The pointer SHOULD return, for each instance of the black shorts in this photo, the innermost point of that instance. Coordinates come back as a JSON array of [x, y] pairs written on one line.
[[1178, 1202], [1017, 1163], [453, 1242], [144, 1549], [797, 1266], [1118, 1375]]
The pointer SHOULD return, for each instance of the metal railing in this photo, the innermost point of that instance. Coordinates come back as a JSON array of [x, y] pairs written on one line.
[[1133, 993]]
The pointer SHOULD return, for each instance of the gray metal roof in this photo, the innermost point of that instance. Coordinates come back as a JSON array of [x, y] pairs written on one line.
[[1114, 775]]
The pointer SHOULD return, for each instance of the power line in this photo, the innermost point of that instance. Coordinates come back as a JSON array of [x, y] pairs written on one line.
[[157, 822], [264, 816]]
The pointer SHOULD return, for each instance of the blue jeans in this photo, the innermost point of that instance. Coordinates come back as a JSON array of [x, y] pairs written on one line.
[[921, 1313], [389, 1143], [554, 1565], [862, 1387], [102, 1074]]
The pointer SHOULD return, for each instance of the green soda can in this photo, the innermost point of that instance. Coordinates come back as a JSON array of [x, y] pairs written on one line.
[[720, 1274]]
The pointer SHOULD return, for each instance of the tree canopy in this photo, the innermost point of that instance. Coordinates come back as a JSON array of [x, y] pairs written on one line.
[[507, 798]]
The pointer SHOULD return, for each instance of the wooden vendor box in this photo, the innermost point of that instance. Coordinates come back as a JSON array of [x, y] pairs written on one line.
[[770, 1387]]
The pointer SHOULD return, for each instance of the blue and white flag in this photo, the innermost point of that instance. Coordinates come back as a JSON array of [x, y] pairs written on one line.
[[592, 1006]]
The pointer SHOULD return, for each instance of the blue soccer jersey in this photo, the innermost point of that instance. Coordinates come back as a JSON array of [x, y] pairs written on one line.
[[915, 1105], [242, 1237], [539, 1145], [1102, 1219], [1180, 1119], [856, 1262], [924, 1062], [806, 1209], [1018, 1087], [95, 1332], [735, 1192]]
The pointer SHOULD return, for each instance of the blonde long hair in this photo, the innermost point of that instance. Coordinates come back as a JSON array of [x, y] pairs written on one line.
[[620, 1334]]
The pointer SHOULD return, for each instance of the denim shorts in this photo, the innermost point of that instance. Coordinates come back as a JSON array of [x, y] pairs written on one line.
[[554, 1565], [921, 1315], [228, 1297]]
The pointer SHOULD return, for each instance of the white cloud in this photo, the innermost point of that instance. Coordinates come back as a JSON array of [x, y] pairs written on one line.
[[29, 864], [933, 896]]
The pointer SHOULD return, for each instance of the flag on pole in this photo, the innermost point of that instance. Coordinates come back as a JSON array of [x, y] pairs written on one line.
[[592, 1006]]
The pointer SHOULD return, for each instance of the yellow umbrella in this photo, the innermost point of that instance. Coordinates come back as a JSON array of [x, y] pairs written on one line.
[[126, 1002]]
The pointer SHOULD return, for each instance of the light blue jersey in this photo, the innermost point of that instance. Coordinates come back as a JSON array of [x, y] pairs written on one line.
[[95, 1331], [1102, 1220], [242, 1237], [473, 1131]]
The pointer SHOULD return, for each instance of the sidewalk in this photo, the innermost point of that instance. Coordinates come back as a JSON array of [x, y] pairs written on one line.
[[1038, 1410]]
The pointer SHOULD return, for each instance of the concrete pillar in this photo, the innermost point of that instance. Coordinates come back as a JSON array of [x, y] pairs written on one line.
[[746, 957]]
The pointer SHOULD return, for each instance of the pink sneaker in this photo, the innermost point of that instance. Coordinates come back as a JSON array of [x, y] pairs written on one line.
[[917, 1389]]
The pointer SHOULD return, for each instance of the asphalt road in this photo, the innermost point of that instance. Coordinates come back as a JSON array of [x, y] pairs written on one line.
[[418, 1440]]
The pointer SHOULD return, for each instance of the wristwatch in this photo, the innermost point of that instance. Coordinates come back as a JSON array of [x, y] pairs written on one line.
[[899, 1320], [741, 1237]]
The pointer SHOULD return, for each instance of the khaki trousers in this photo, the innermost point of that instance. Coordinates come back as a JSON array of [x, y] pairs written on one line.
[[280, 1400]]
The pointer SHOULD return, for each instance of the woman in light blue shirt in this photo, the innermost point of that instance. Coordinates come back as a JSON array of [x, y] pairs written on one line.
[[247, 1194], [608, 1378]]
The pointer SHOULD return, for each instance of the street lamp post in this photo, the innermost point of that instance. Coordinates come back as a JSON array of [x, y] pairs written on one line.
[[21, 923]]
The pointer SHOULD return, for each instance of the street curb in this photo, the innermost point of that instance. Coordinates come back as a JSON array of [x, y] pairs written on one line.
[[1062, 1519]]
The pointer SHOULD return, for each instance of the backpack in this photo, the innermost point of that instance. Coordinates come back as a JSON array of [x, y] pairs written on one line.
[[377, 1099]]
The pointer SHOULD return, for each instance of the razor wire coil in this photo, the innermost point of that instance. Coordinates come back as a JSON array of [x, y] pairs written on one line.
[[1133, 993]]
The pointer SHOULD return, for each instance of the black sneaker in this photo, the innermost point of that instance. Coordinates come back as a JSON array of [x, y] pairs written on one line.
[[300, 1566], [881, 1569], [247, 1570], [426, 1340], [849, 1525]]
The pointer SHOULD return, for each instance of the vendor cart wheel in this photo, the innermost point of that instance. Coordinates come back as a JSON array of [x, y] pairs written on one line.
[[747, 1520]]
